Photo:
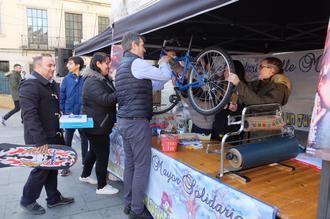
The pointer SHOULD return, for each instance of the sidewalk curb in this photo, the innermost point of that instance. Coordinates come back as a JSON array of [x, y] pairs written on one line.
[[6, 101]]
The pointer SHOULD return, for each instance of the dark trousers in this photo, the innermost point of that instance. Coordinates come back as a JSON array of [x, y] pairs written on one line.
[[99, 153], [13, 111], [137, 146], [39, 178], [83, 139]]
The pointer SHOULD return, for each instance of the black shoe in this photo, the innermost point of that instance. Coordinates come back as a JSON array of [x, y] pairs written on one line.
[[127, 209], [62, 201], [144, 215], [34, 208]]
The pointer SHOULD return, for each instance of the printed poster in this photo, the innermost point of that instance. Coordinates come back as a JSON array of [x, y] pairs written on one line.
[[319, 134], [176, 190]]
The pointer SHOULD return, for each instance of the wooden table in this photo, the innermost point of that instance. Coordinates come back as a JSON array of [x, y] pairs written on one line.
[[294, 193]]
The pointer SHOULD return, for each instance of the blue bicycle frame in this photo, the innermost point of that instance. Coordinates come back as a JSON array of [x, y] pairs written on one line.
[[180, 80]]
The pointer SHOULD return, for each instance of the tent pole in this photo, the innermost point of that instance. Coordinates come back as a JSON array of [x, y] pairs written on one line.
[[323, 211]]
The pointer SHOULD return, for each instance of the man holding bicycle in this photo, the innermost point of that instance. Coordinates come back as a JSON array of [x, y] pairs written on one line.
[[135, 81]]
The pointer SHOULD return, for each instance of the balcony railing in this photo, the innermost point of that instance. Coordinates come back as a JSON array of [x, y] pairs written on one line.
[[40, 44]]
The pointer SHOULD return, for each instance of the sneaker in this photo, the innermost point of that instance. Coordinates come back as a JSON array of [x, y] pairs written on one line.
[[3, 121], [65, 172], [34, 208], [107, 190], [88, 179], [145, 214], [127, 209], [62, 201]]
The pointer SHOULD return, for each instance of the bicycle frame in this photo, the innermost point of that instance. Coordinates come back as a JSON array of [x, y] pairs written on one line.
[[207, 89], [186, 58], [180, 81]]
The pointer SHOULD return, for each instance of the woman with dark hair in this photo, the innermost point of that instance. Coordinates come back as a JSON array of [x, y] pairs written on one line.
[[220, 124], [98, 102]]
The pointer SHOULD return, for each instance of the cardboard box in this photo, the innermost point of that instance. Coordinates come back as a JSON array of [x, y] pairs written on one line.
[[77, 125], [157, 97]]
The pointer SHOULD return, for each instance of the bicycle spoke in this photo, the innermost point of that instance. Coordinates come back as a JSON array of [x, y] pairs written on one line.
[[223, 89], [215, 90]]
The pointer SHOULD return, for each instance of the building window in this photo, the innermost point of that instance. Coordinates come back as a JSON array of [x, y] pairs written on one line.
[[73, 29], [4, 84], [4, 66], [103, 23], [37, 28]]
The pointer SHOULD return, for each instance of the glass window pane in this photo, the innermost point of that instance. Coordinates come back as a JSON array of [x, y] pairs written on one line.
[[73, 28], [29, 13], [37, 27]]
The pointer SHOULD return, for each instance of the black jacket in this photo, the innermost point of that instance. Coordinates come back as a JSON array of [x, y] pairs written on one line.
[[99, 102], [40, 109]]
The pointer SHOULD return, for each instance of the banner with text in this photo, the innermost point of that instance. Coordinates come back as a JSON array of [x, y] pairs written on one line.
[[303, 70], [176, 190]]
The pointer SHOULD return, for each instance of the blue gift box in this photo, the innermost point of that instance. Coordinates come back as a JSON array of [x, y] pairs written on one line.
[[77, 125]]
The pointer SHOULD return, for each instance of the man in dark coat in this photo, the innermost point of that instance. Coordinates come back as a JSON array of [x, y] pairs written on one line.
[[40, 110]]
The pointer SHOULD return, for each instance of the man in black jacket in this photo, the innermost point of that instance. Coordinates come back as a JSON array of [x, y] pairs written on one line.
[[40, 110]]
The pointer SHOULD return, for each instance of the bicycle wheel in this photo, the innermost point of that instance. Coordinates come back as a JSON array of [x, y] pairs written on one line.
[[212, 91], [167, 100]]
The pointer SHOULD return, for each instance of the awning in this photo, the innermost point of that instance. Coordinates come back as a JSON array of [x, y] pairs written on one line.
[[100, 42], [159, 15], [244, 26], [163, 14]]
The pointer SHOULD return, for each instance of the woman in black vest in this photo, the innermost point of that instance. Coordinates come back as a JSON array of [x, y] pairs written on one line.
[[98, 102]]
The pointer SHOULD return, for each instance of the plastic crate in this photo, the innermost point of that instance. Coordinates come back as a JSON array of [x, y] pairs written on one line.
[[169, 142]]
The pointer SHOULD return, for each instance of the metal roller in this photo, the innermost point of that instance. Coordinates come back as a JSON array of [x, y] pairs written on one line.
[[277, 149]]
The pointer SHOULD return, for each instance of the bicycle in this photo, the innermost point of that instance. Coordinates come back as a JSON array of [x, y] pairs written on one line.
[[202, 78]]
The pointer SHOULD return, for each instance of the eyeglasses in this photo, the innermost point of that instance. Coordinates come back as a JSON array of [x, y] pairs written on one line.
[[264, 66]]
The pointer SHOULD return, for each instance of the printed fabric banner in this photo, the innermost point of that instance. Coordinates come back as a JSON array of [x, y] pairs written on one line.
[[319, 134], [176, 190], [116, 163], [303, 70], [117, 52]]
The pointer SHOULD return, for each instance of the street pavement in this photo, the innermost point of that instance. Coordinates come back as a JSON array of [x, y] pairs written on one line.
[[87, 204]]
